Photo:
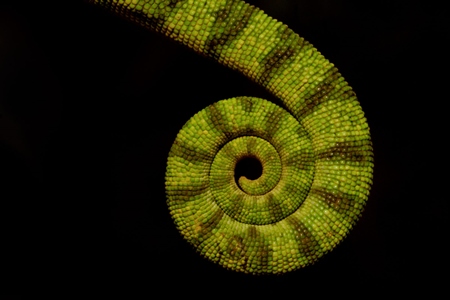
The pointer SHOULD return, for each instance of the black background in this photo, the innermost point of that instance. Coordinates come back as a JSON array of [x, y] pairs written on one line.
[[90, 105]]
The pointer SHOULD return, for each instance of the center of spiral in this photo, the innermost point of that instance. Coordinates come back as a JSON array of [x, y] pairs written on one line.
[[262, 163], [249, 167]]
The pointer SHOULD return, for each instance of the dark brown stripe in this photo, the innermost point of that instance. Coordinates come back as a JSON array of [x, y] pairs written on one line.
[[251, 145], [235, 208], [229, 22], [180, 149], [337, 200], [247, 103], [216, 118], [252, 232], [259, 252], [306, 242], [252, 248], [275, 210], [289, 46], [209, 225], [301, 161], [236, 247], [321, 93]]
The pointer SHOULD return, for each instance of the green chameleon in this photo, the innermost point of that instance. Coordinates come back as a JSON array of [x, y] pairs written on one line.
[[316, 152]]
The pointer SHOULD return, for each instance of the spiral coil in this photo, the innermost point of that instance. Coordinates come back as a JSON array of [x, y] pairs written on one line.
[[317, 154]]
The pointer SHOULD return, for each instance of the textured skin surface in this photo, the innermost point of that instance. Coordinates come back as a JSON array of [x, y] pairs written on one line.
[[317, 157]]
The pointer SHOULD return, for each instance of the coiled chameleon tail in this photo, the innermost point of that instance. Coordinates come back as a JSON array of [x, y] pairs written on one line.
[[316, 156]]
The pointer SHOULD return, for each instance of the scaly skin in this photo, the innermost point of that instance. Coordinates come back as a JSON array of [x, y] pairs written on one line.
[[317, 157]]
